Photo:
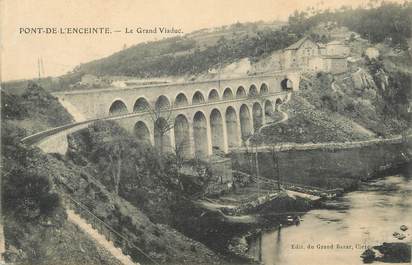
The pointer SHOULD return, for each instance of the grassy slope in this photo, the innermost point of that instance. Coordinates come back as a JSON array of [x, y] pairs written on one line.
[[161, 242], [33, 110], [55, 241], [62, 244]]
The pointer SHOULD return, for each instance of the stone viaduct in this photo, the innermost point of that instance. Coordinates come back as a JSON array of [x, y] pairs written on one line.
[[199, 118]]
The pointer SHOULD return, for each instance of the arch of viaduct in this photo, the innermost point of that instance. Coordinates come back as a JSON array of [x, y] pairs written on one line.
[[201, 117]]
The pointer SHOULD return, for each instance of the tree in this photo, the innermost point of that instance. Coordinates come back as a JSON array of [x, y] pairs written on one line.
[[29, 195], [179, 159], [161, 116], [203, 173], [256, 140], [275, 155], [116, 149]]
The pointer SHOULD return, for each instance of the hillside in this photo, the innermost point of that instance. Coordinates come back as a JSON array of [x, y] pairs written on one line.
[[35, 222], [307, 124], [195, 53], [33, 110]]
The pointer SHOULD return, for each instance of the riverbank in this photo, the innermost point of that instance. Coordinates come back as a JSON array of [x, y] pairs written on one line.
[[359, 220], [328, 166], [272, 211]]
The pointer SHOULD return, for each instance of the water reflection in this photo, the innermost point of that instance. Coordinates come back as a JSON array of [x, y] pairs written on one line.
[[364, 218]]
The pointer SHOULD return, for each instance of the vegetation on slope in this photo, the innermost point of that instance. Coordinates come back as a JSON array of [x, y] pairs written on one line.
[[36, 229], [33, 110], [183, 55], [391, 22], [35, 226], [136, 171]]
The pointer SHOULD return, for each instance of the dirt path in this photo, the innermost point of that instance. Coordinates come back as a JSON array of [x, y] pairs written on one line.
[[99, 238], [284, 114]]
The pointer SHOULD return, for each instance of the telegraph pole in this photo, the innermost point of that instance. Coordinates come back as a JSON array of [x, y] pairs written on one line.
[[257, 169]]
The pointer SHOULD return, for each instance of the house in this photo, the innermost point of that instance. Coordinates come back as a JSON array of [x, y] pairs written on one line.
[[297, 55], [337, 48], [307, 55], [335, 64], [89, 80]]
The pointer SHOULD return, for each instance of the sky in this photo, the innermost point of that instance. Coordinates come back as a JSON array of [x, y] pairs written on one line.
[[60, 53]]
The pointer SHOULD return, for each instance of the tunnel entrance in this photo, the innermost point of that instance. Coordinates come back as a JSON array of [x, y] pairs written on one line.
[[286, 85]]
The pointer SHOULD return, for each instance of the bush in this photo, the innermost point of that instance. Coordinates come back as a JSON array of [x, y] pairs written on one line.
[[29, 196]]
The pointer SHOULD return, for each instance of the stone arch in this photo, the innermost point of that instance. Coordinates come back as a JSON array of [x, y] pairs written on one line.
[[286, 84], [141, 105], [245, 122], [257, 116], [253, 91], [213, 95], [231, 127], [142, 133], [264, 89], [227, 93], [268, 108], [162, 103], [182, 136], [278, 102], [198, 98], [216, 128], [200, 134], [181, 100], [118, 107], [240, 92], [162, 135]]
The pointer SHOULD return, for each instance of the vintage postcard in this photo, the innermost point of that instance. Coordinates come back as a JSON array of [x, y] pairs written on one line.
[[226, 132]]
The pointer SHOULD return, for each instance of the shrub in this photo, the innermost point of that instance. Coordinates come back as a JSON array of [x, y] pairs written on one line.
[[29, 196]]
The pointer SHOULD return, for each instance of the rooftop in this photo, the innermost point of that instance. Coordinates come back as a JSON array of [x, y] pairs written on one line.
[[299, 43]]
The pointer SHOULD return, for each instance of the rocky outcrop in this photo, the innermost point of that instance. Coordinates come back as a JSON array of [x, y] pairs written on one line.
[[388, 252], [361, 79]]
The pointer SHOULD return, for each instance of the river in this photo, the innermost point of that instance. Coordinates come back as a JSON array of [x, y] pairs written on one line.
[[366, 217]]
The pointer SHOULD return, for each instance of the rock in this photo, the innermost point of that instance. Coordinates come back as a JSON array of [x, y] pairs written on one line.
[[368, 256], [404, 227], [399, 235], [394, 252]]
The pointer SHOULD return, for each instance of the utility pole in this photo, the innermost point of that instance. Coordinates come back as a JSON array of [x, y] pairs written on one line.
[[257, 169]]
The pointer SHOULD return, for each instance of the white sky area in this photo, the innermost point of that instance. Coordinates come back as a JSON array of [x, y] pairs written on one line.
[[61, 53]]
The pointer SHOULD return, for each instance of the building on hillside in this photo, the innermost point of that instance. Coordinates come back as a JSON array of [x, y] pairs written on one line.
[[297, 55], [309, 56], [337, 48], [89, 80]]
